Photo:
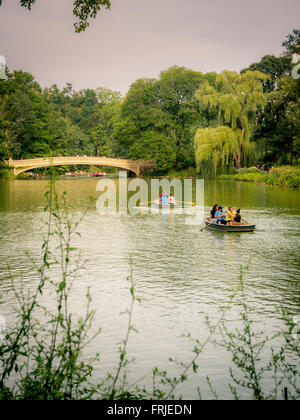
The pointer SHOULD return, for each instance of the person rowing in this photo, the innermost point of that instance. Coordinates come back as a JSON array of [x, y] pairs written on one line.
[[164, 198]]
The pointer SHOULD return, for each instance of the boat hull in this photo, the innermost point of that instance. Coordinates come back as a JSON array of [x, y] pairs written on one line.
[[243, 227], [165, 205]]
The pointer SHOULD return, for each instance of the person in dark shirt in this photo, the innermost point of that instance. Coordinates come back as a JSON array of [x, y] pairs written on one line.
[[238, 217]]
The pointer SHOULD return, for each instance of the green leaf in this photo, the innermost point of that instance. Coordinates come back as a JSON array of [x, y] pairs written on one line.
[[62, 286]]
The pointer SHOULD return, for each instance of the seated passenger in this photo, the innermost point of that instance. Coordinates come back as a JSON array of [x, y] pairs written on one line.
[[220, 216], [237, 218], [230, 216], [164, 198], [171, 200], [213, 212]]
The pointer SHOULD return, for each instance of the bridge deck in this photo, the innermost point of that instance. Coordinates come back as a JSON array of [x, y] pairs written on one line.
[[136, 166]]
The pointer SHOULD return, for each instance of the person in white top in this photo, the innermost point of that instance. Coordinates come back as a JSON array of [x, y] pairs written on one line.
[[171, 200]]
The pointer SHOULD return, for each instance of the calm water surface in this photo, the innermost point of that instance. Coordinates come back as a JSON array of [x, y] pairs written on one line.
[[180, 274]]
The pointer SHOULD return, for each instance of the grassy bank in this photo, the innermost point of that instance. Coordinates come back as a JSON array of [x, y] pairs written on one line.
[[283, 176], [5, 173]]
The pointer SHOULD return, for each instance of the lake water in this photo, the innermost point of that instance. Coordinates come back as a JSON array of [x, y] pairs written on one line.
[[180, 273]]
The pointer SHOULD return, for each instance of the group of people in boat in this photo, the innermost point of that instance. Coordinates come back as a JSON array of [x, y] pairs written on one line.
[[164, 198], [220, 216]]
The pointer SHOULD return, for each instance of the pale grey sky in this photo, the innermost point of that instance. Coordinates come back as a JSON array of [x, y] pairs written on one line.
[[140, 38]]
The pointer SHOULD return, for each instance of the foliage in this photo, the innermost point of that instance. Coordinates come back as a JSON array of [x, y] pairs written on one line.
[[237, 98], [56, 372], [158, 119], [253, 169], [144, 130], [83, 10], [278, 130], [284, 176], [292, 42], [247, 348], [176, 94], [41, 355], [215, 149], [274, 67], [35, 123], [44, 357]]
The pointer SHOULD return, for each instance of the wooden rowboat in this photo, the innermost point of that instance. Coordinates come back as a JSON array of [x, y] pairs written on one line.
[[165, 205], [243, 227]]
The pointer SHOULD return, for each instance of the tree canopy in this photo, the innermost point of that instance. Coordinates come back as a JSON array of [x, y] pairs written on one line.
[[182, 119], [35, 122], [158, 118], [292, 43], [274, 67], [237, 99]]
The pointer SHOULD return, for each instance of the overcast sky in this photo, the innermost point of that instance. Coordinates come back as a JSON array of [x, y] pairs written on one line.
[[140, 38]]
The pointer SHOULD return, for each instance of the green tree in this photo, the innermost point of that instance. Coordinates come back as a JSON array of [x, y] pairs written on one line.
[[109, 103], [26, 113], [144, 130], [176, 94], [278, 132], [292, 43], [274, 67], [237, 98]]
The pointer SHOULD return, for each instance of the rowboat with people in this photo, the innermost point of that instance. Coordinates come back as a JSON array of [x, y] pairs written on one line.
[[230, 221], [241, 227]]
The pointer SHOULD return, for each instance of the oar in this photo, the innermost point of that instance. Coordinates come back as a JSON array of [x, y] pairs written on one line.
[[148, 202], [201, 230], [186, 202], [245, 221]]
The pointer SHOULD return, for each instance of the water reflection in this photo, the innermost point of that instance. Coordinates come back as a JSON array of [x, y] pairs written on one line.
[[180, 273]]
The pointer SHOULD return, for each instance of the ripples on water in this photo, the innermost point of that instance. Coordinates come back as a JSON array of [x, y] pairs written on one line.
[[180, 273]]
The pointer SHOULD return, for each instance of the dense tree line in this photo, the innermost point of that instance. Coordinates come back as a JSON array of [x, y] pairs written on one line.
[[36, 122], [182, 119], [277, 133], [156, 120]]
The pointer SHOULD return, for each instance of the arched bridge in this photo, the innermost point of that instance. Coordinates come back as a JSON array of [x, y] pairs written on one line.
[[135, 166]]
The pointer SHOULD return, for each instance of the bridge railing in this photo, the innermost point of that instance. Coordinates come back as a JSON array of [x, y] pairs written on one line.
[[76, 160], [64, 160]]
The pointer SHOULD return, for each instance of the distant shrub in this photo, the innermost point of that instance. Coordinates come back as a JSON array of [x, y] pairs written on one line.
[[24, 175], [282, 176], [233, 171], [5, 173], [253, 169]]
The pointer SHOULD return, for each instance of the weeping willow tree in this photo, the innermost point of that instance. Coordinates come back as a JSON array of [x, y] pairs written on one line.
[[237, 99]]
